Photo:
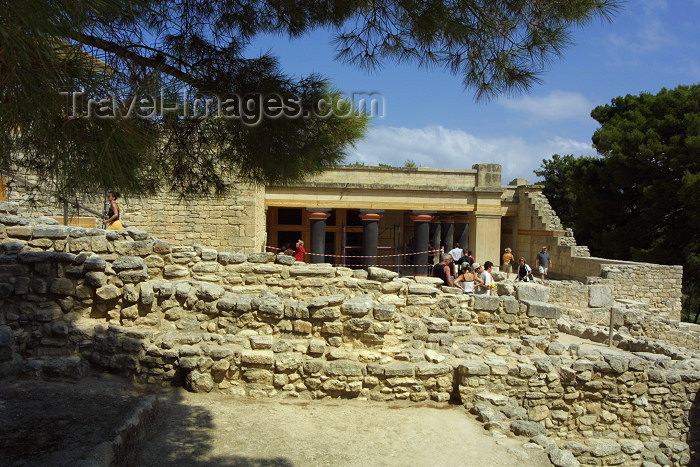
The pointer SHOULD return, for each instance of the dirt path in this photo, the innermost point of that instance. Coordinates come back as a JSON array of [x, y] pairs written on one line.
[[215, 430]]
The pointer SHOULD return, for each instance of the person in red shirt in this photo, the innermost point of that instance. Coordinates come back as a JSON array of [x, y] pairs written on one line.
[[300, 251]]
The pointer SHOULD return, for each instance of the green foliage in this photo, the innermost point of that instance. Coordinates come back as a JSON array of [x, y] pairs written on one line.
[[640, 200], [409, 164], [148, 53]]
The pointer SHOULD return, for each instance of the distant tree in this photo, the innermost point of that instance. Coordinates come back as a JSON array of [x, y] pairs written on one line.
[[640, 201], [153, 54], [410, 164]]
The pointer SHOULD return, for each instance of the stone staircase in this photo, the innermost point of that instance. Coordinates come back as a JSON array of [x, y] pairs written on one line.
[[548, 220]]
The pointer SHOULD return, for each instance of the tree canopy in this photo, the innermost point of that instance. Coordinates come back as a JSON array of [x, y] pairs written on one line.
[[141, 94], [639, 200]]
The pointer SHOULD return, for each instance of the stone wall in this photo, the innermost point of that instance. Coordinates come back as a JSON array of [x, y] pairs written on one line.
[[235, 222], [538, 225], [264, 325]]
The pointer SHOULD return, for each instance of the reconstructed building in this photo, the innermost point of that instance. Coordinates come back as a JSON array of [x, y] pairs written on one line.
[[389, 216]]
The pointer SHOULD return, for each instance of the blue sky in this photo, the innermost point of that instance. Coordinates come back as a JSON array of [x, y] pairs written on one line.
[[431, 119]]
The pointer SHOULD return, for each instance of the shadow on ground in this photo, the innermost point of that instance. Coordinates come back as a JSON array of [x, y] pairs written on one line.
[[61, 422]]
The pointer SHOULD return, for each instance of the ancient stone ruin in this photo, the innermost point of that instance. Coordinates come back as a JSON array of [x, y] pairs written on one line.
[[525, 361]]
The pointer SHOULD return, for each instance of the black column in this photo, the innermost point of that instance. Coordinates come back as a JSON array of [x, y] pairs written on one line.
[[421, 233], [370, 235], [318, 218], [448, 233], [436, 236], [462, 232]]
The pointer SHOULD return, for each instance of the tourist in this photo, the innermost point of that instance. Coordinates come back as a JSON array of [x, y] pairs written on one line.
[[524, 271], [443, 269], [113, 220], [487, 286], [468, 280], [300, 251], [543, 262], [508, 260]]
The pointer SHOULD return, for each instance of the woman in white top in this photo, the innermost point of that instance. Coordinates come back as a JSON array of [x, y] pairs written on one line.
[[467, 279]]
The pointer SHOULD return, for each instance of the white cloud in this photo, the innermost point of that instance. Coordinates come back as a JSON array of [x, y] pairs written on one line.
[[556, 106], [440, 147], [651, 33]]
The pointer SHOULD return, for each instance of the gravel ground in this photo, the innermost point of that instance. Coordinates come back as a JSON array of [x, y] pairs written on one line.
[[61, 423]]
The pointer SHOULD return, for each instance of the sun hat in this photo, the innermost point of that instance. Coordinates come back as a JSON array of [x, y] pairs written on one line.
[[475, 266]]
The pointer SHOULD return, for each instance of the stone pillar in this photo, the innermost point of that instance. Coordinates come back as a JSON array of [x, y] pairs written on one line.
[[462, 232], [448, 232], [370, 234], [421, 235], [318, 233], [486, 241]]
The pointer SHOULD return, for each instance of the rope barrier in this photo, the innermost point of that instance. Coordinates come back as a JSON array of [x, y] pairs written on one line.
[[359, 256]]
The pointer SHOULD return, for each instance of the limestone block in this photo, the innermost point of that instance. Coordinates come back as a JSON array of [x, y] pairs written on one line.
[[562, 458], [146, 292], [603, 447], [94, 263], [395, 369], [95, 279], [392, 287], [325, 270], [62, 286], [209, 292], [332, 327], [432, 369], [436, 324], [510, 305], [136, 234], [161, 247], [108, 292], [285, 260], [422, 289], [260, 342], [358, 324], [504, 289], [435, 281], [45, 256], [527, 428], [327, 313], [327, 300], [50, 231], [486, 302], [600, 296], [199, 382], [264, 257], [258, 357], [271, 304], [172, 271], [381, 274], [358, 306], [542, 310], [288, 361], [384, 312], [128, 262], [134, 275], [531, 292], [345, 368], [473, 368], [11, 248], [205, 267], [268, 269], [316, 347], [19, 231]]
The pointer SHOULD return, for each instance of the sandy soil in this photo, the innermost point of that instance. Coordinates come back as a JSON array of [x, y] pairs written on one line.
[[58, 423]]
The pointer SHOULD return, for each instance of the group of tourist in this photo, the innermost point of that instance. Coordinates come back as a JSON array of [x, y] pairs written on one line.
[[457, 269], [299, 252]]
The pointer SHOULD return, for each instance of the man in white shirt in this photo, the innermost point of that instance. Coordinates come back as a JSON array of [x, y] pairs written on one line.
[[456, 254], [486, 277]]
